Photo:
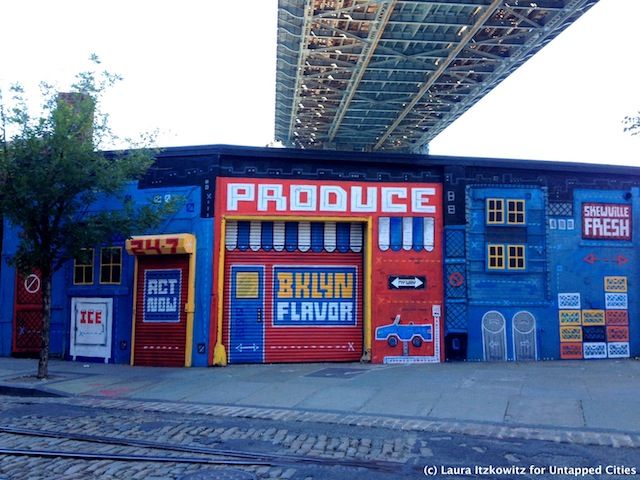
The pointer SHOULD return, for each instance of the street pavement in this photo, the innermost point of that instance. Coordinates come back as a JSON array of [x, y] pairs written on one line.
[[590, 402]]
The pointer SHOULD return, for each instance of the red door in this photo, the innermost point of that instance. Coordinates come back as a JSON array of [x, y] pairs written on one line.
[[27, 325], [160, 319]]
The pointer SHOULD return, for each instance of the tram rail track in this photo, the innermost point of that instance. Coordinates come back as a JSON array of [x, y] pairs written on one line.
[[207, 455]]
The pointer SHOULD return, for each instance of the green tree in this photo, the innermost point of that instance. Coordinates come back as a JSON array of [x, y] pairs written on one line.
[[632, 124], [52, 170]]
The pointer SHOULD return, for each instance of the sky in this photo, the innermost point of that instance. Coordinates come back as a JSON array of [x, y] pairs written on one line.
[[203, 72]]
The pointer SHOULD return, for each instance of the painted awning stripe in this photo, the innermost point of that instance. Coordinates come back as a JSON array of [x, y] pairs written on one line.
[[355, 237], [418, 234], [407, 233], [317, 236], [429, 233], [396, 233], [243, 236], [343, 231], [255, 235], [384, 233], [231, 235], [304, 236], [330, 243], [278, 236], [267, 236], [290, 236]]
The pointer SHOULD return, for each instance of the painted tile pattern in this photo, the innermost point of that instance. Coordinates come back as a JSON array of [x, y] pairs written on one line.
[[570, 317], [595, 333]]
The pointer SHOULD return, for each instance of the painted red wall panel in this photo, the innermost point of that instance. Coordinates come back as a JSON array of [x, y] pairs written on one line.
[[313, 198], [413, 306], [27, 323], [407, 320], [414, 316]]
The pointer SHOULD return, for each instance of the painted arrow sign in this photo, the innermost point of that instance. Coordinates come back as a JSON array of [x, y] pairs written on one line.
[[242, 348], [592, 258], [404, 282]]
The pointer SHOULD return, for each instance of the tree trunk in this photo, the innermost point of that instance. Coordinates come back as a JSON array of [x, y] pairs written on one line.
[[43, 363]]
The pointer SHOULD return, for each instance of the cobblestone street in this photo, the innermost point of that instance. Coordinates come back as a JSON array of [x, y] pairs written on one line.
[[291, 447], [259, 436]]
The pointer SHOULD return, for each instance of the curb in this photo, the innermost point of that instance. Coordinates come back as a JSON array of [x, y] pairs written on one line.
[[38, 392]]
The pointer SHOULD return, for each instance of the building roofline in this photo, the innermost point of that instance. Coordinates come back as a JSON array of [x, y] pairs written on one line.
[[398, 158], [386, 158]]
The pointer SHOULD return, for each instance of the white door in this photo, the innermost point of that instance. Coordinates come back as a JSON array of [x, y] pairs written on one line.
[[524, 336], [494, 337]]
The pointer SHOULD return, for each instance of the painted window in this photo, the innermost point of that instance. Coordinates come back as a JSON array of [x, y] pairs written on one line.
[[515, 212], [515, 257], [83, 268], [506, 257], [247, 284], [495, 257], [495, 211], [111, 265]]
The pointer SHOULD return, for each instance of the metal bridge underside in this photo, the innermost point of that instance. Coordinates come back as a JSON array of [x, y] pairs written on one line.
[[390, 75]]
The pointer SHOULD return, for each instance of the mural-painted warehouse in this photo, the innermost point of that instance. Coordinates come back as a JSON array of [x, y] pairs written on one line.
[[281, 255]]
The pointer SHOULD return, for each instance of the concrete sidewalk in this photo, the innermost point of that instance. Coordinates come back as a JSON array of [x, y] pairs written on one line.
[[593, 395]]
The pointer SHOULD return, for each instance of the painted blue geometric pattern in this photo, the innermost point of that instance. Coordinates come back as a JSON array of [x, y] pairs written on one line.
[[454, 243], [618, 349], [522, 275], [564, 209], [595, 350], [455, 316], [594, 334], [569, 301], [455, 283], [616, 301]]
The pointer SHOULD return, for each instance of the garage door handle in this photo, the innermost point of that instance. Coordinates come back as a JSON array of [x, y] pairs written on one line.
[[259, 315]]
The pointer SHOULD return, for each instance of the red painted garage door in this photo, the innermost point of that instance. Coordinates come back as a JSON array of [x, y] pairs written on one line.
[[160, 320], [293, 302]]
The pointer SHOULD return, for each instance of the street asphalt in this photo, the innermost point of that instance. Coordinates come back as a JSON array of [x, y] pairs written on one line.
[[595, 396]]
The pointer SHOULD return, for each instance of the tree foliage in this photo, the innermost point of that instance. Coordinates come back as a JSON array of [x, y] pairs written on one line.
[[632, 124], [53, 172]]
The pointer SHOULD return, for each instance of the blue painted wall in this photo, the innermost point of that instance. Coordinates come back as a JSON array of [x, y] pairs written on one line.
[[542, 340], [7, 294], [558, 259], [580, 265], [186, 220], [507, 291]]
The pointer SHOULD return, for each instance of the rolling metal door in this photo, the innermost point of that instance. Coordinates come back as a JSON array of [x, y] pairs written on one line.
[[293, 292], [160, 320]]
